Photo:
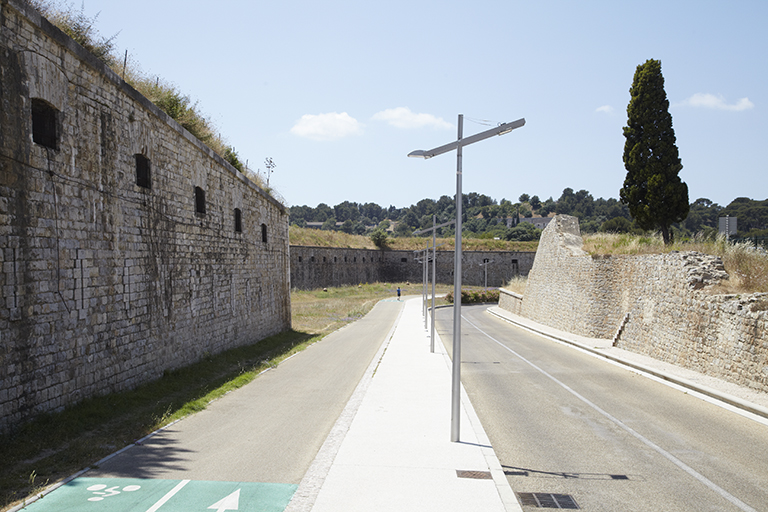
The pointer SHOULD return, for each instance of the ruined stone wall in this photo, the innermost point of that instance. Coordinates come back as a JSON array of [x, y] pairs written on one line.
[[319, 267], [110, 274], [672, 317]]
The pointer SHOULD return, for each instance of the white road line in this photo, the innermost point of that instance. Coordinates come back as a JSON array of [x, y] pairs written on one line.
[[682, 465], [168, 496]]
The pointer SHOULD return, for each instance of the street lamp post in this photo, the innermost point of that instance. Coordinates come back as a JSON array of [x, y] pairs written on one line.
[[485, 268], [458, 145], [433, 229]]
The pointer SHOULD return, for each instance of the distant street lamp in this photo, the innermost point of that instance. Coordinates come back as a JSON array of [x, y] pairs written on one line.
[[458, 145], [433, 230], [485, 268]]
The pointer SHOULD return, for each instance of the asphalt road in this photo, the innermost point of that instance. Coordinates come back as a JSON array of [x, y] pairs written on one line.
[[565, 422], [271, 429]]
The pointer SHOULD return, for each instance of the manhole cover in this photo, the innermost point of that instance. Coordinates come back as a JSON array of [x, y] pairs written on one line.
[[547, 500]]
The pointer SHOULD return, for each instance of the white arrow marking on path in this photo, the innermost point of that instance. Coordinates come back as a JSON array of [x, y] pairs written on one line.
[[231, 502]]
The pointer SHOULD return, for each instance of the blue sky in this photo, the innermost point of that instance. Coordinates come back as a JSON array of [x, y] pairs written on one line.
[[337, 93]]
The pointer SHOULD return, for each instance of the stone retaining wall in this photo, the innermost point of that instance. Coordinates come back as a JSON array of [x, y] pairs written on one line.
[[119, 252], [511, 301], [319, 267], [671, 316]]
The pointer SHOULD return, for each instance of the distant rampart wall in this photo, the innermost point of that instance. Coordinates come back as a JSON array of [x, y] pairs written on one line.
[[110, 272], [671, 316], [318, 267]]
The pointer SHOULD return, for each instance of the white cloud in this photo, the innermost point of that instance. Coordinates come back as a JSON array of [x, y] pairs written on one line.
[[607, 109], [402, 117], [706, 100], [330, 126]]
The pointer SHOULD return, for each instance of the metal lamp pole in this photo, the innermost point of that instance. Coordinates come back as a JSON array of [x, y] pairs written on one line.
[[458, 145], [433, 229]]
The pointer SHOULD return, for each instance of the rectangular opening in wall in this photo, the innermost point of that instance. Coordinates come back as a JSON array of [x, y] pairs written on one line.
[[238, 221], [199, 200], [143, 178], [44, 124], [264, 233], [404, 260]]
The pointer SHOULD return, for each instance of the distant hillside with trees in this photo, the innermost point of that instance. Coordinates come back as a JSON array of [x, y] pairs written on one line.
[[485, 217]]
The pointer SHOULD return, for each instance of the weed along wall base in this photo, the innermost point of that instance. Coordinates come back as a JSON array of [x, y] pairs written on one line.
[[128, 247]]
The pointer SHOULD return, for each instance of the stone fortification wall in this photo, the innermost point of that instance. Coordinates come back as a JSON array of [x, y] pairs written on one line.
[[120, 253], [318, 267], [659, 301]]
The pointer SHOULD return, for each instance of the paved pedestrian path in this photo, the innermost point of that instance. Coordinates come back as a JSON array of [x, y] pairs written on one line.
[[395, 452]]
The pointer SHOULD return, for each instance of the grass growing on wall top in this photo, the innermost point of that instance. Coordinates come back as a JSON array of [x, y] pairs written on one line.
[[165, 95], [321, 238], [746, 265]]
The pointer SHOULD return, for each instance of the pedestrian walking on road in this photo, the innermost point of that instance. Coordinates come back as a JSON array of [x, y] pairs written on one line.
[[398, 293]]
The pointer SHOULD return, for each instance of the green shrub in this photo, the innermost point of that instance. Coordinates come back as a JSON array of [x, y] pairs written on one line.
[[475, 296]]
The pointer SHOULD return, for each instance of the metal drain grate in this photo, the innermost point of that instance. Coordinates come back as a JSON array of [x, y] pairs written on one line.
[[546, 500], [477, 475]]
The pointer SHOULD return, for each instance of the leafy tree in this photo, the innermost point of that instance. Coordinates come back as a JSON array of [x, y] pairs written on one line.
[[329, 224], [547, 207], [654, 192], [323, 212], [523, 232], [373, 211], [703, 214], [347, 226], [379, 238], [616, 225], [408, 219], [523, 198], [752, 214], [403, 229], [346, 211], [535, 202]]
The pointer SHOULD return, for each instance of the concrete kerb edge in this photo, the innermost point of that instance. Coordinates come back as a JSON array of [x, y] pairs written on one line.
[[506, 494], [309, 488], [711, 393]]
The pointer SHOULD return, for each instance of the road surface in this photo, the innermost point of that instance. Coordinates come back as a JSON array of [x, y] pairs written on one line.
[[565, 422]]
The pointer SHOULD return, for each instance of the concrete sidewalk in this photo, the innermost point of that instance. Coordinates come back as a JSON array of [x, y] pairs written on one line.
[[731, 395], [391, 448]]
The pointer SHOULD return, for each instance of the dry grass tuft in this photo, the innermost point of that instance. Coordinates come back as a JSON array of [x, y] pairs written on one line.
[[517, 284]]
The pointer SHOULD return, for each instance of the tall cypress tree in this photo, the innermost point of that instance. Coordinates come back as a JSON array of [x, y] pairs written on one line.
[[653, 191]]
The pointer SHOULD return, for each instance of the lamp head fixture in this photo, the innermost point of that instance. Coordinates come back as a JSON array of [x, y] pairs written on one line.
[[419, 153]]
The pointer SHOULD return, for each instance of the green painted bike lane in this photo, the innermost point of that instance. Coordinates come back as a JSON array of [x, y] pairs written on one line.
[[147, 495]]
